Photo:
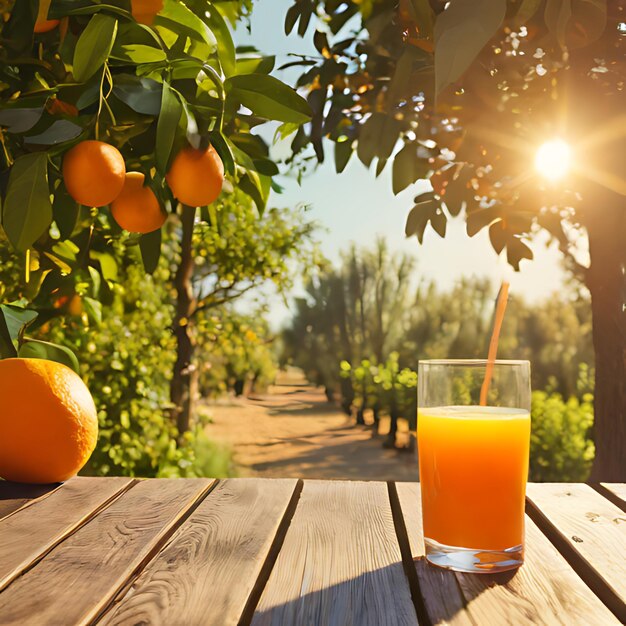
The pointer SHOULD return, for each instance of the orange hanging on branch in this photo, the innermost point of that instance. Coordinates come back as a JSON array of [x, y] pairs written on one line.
[[94, 173], [137, 209]]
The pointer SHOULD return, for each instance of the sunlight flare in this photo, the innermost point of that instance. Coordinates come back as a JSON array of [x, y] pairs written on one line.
[[553, 159]]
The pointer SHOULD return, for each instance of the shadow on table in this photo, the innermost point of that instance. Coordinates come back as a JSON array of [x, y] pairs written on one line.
[[377, 598], [13, 496], [386, 596]]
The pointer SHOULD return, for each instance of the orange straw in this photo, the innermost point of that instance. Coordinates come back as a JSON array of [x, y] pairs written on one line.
[[503, 296]]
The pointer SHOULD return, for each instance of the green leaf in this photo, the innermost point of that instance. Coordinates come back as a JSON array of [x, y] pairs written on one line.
[[343, 152], [96, 280], [402, 74], [167, 127], [425, 210], [150, 246], [255, 65], [498, 236], [377, 138], [267, 97], [61, 8], [285, 130], [257, 187], [36, 349], [58, 132], [27, 211], [461, 32], [108, 264], [93, 308], [225, 44], [142, 95], [93, 46], [240, 157], [439, 222], [221, 145], [251, 144], [516, 250], [65, 211], [176, 14], [458, 193], [291, 17], [477, 220], [7, 349], [138, 53], [257, 151], [408, 168], [20, 120], [66, 250], [422, 13], [13, 321]]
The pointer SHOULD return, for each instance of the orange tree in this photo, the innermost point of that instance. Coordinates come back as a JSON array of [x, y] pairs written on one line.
[[462, 93], [143, 105]]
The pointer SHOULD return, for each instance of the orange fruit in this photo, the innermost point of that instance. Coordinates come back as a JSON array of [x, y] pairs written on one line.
[[196, 176], [93, 172], [144, 11], [48, 421], [137, 209], [44, 26]]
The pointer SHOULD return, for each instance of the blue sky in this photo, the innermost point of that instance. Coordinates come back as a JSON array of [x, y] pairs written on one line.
[[356, 206]]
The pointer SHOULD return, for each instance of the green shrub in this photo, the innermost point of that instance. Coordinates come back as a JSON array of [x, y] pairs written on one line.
[[127, 361], [560, 445]]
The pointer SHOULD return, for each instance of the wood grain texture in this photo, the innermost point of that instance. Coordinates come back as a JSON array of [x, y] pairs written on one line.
[[29, 533], [79, 578], [616, 492], [14, 496], [205, 573], [545, 590], [590, 532], [438, 588], [340, 562]]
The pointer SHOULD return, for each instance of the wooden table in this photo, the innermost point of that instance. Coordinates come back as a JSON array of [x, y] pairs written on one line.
[[202, 551]]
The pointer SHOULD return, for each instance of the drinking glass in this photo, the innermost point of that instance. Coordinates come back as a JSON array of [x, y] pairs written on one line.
[[473, 462]]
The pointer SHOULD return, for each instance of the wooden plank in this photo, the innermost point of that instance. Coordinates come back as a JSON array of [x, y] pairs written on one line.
[[590, 532], [340, 562], [545, 590], [439, 591], [75, 582], [14, 496], [615, 492], [207, 570], [31, 532]]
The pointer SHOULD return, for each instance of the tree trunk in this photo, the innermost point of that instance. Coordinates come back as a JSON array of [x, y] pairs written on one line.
[[347, 395], [330, 394], [390, 442], [184, 379], [360, 416], [376, 415], [239, 387], [606, 281]]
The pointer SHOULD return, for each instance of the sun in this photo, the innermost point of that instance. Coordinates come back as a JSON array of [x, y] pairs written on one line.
[[553, 159]]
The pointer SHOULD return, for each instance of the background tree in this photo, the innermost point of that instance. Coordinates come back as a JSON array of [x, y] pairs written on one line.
[[231, 253], [148, 87], [340, 318], [350, 313], [235, 351], [463, 93]]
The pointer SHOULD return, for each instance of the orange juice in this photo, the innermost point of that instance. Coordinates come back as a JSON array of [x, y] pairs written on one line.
[[473, 468]]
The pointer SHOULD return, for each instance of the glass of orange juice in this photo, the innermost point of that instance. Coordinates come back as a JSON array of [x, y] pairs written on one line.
[[473, 462]]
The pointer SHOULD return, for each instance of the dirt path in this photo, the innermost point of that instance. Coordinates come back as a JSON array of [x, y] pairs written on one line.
[[292, 431]]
